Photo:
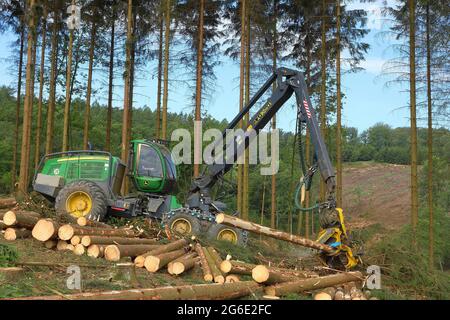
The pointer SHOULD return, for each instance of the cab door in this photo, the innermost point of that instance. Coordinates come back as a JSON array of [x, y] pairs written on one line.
[[148, 168]]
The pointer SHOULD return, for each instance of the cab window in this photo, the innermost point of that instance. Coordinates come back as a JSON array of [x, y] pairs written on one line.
[[149, 162]]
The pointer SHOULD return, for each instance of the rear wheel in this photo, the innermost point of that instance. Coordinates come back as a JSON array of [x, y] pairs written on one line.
[[226, 233], [82, 199]]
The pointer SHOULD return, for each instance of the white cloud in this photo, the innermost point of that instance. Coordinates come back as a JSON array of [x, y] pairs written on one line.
[[373, 65]]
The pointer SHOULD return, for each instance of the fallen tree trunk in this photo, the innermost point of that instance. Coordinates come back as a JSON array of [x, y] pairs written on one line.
[[155, 262], [215, 256], [207, 274], [50, 244], [23, 219], [84, 222], [78, 249], [67, 231], [96, 251], [232, 278], [236, 267], [12, 234], [186, 292], [182, 264], [140, 259], [45, 229], [61, 245], [116, 251], [263, 274], [217, 275], [312, 283], [6, 203], [90, 240], [222, 218]]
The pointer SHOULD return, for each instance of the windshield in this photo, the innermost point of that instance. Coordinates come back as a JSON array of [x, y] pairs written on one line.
[[149, 162], [172, 171]]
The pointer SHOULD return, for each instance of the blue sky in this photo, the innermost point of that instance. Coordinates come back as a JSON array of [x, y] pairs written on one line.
[[367, 102]]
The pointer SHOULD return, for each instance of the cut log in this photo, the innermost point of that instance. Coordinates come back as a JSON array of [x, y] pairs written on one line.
[[191, 254], [263, 274], [236, 267], [322, 296], [61, 245], [183, 264], [154, 263], [207, 274], [186, 292], [232, 278], [222, 218], [79, 249], [45, 229], [330, 291], [217, 275], [90, 240], [95, 251], [84, 222], [312, 284], [50, 244], [67, 231], [75, 240], [6, 203], [215, 256], [24, 219], [339, 295], [11, 274], [140, 259], [70, 247], [12, 234], [116, 251]]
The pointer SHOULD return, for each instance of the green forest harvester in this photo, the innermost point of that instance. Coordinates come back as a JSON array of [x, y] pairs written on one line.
[[88, 183]]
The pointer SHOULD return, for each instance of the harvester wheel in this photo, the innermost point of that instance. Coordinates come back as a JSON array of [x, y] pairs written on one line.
[[184, 224], [82, 199], [226, 233]]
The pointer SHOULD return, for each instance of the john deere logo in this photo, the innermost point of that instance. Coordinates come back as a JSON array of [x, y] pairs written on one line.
[[146, 182], [56, 171]]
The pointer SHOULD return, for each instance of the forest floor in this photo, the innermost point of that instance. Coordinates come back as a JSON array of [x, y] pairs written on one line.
[[376, 198]]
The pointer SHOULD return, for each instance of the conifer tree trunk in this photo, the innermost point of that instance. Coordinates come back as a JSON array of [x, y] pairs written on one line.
[[273, 208], [87, 111], [323, 88], [160, 63], [127, 88], [430, 144], [412, 95], [110, 86], [241, 103], [18, 104], [28, 103], [198, 85], [307, 138], [166, 70], [338, 107], [245, 184], [65, 144], [37, 153], [52, 84]]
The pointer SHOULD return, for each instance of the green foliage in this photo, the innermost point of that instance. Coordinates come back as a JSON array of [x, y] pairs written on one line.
[[8, 255]]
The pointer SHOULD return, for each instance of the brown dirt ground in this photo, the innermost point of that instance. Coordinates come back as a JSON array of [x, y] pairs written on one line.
[[376, 193]]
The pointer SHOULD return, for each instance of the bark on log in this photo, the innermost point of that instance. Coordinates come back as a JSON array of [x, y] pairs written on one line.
[[187, 292], [222, 218], [84, 222], [96, 251], [263, 274], [90, 240], [2, 226], [236, 267], [312, 284], [154, 263], [117, 251], [75, 240], [183, 264], [217, 275], [50, 244], [12, 234], [7, 203], [191, 254], [232, 278], [140, 259], [207, 274], [67, 231], [24, 219], [215, 256], [11, 274], [45, 229], [79, 249]]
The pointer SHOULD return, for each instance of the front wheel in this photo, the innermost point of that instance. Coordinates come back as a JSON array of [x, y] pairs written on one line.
[[82, 199], [184, 224]]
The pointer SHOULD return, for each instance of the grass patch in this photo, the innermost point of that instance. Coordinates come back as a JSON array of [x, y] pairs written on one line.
[[8, 255]]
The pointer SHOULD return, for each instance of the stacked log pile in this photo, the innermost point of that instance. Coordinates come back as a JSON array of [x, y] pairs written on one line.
[[224, 277]]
